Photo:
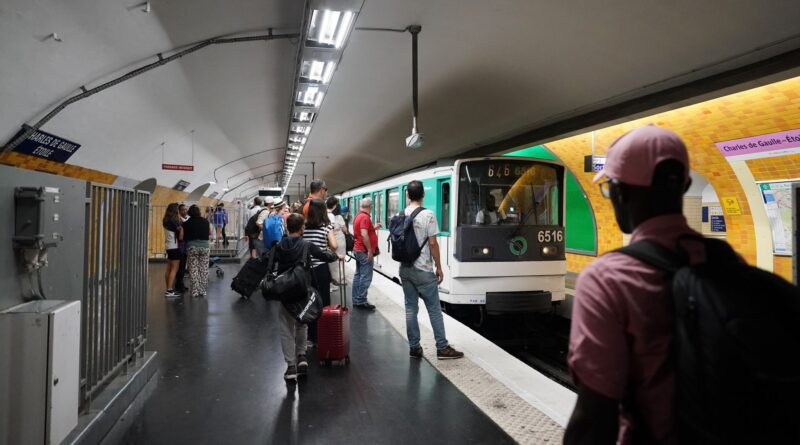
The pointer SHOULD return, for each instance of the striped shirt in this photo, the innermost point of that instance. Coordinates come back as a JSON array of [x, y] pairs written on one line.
[[319, 237]]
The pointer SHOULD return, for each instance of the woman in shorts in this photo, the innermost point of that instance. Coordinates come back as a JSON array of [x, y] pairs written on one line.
[[173, 232]]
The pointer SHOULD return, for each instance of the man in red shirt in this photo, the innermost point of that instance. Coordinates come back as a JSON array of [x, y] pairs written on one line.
[[622, 318], [366, 241]]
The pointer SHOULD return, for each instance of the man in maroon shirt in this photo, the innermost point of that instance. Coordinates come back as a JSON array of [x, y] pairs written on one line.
[[619, 351], [366, 241]]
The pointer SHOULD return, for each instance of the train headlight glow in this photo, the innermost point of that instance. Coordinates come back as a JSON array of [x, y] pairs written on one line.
[[486, 251], [549, 250]]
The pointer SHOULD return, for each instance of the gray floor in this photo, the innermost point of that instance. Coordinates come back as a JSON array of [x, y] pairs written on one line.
[[221, 381]]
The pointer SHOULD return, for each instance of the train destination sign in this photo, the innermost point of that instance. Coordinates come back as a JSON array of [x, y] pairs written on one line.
[[47, 146], [764, 146]]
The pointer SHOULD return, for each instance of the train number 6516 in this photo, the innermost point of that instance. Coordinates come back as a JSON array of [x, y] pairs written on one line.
[[548, 236]]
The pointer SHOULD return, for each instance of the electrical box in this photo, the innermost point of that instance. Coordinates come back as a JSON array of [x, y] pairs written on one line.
[[39, 371], [36, 217]]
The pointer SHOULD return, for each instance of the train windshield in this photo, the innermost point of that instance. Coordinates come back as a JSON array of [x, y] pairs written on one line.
[[517, 192]]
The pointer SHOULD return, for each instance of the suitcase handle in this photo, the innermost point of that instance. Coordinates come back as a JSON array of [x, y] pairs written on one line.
[[342, 284]]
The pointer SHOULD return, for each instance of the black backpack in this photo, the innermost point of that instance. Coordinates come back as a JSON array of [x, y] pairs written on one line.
[[292, 284], [402, 241], [736, 347], [251, 228]]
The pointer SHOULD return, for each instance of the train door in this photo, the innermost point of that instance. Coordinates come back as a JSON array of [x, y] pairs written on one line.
[[377, 220], [444, 216]]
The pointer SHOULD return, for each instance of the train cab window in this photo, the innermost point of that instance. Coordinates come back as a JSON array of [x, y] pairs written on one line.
[[392, 203], [444, 209], [496, 192]]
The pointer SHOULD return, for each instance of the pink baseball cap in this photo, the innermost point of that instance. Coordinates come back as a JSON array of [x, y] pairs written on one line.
[[633, 157]]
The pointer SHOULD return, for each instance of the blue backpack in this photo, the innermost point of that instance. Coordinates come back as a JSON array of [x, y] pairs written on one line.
[[273, 230], [402, 241]]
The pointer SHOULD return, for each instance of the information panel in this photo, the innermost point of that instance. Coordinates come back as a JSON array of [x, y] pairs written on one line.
[[778, 203]]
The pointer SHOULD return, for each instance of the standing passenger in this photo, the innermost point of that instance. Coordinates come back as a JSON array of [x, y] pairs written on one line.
[[257, 203], [179, 286], [319, 232], [172, 234], [366, 242], [622, 319], [339, 229], [196, 235], [317, 190], [420, 281], [220, 221], [293, 333]]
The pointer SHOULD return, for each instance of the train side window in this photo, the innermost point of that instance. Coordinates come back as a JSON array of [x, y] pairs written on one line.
[[444, 208], [377, 208], [392, 203], [405, 197]]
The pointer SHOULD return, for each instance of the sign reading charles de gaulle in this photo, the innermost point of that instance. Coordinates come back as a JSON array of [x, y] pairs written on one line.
[[48, 146]]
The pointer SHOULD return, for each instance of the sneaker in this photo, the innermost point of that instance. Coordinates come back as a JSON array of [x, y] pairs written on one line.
[[291, 373], [367, 306], [448, 353], [302, 365], [171, 294], [415, 352]]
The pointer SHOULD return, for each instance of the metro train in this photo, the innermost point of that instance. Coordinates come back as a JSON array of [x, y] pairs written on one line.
[[501, 222]]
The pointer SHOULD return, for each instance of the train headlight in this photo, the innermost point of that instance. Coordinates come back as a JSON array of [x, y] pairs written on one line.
[[482, 252], [486, 251], [549, 250]]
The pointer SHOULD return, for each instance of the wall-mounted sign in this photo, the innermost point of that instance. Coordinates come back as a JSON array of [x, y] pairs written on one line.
[[763, 146], [180, 167], [778, 203], [718, 223], [47, 146], [731, 205], [593, 163], [181, 185]]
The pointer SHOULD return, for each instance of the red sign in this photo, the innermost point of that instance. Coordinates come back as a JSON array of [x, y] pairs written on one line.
[[185, 168]]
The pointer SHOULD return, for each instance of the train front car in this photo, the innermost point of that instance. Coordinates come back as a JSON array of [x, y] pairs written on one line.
[[508, 243]]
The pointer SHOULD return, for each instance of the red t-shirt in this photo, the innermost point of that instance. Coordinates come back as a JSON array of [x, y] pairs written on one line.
[[363, 221]]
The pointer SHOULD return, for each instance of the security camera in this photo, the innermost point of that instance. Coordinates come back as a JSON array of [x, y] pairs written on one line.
[[415, 141]]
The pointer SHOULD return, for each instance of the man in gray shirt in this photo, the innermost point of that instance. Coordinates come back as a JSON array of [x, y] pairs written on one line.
[[422, 279]]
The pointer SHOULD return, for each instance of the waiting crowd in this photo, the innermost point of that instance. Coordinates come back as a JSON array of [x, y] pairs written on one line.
[[319, 225]]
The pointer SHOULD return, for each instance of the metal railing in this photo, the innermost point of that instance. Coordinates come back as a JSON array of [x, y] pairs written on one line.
[[114, 315], [237, 219]]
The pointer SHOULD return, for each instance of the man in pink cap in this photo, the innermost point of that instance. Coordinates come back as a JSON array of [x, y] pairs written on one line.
[[619, 348]]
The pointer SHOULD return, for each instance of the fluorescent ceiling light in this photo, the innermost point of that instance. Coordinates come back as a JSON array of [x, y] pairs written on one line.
[[303, 116], [316, 71], [297, 140], [301, 129], [310, 96], [328, 29], [318, 102]]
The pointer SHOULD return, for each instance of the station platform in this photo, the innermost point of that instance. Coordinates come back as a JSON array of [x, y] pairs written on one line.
[[221, 381]]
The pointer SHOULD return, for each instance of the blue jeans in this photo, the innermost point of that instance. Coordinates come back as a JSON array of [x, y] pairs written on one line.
[[421, 284], [362, 278]]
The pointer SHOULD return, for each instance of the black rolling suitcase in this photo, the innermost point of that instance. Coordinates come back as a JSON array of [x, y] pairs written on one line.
[[250, 276]]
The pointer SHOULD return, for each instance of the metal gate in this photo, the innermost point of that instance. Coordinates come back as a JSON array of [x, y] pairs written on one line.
[[114, 315]]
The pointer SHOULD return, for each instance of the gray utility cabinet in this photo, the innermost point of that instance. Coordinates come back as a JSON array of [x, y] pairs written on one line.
[[39, 371]]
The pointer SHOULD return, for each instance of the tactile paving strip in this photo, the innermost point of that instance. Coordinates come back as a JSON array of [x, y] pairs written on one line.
[[523, 422]]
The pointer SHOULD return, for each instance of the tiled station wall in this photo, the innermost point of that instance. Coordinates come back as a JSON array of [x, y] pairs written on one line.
[[767, 109]]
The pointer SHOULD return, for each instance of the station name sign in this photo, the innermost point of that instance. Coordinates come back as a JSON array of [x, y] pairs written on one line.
[[764, 146], [47, 146], [180, 167]]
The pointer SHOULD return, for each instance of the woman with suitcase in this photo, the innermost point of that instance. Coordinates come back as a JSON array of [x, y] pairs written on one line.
[[318, 231]]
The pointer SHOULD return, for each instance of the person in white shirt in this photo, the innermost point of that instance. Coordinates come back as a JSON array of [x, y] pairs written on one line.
[[489, 215], [421, 279], [339, 229], [257, 203]]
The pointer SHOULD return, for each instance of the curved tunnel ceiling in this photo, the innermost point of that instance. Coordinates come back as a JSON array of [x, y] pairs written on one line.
[[487, 69]]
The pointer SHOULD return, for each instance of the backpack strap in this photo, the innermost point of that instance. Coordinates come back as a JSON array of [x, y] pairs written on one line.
[[655, 255], [304, 258], [410, 220]]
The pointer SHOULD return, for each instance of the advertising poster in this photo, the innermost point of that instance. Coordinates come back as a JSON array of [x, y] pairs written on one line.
[[778, 203]]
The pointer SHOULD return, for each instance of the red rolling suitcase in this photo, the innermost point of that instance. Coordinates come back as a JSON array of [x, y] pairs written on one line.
[[333, 328]]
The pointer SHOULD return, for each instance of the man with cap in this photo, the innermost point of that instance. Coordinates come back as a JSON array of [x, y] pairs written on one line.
[[317, 190], [269, 205], [622, 322]]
